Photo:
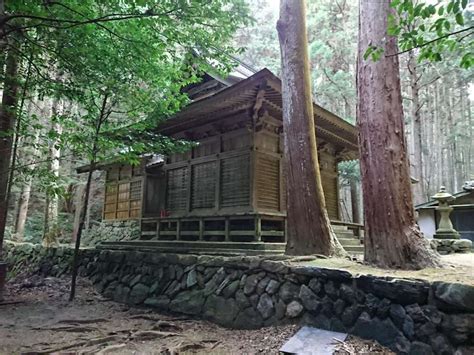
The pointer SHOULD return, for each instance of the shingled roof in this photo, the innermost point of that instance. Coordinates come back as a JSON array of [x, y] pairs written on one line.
[[241, 96]]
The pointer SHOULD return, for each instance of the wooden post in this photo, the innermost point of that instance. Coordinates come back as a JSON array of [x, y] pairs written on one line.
[[258, 228], [201, 229], [178, 229], [227, 231]]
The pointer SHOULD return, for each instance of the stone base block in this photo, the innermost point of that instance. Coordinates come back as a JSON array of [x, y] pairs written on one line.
[[448, 246]]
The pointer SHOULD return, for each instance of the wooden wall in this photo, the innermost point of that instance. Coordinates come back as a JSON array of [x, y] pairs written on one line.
[[123, 192], [239, 171], [213, 177], [270, 180]]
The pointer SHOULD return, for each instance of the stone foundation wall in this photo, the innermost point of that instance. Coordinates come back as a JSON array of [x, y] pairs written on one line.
[[409, 316], [112, 231]]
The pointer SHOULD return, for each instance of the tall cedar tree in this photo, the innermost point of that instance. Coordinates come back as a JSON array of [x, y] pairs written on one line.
[[392, 238], [7, 124], [309, 229]]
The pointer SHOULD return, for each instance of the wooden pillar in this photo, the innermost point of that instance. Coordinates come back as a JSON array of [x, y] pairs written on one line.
[[258, 228], [227, 229], [201, 229], [178, 229]]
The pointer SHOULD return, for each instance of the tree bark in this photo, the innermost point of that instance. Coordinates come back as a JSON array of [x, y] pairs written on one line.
[[392, 238], [7, 124], [309, 228]]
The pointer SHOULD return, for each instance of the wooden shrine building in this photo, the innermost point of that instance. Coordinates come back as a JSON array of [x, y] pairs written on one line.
[[231, 186]]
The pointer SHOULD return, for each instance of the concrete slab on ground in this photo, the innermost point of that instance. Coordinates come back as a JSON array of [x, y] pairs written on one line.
[[313, 341]]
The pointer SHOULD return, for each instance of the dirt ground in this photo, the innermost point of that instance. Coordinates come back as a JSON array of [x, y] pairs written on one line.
[[457, 268], [43, 321]]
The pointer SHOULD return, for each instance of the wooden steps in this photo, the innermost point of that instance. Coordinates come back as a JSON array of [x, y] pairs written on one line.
[[351, 243]]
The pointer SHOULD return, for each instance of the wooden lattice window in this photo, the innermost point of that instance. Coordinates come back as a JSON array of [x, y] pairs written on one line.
[[235, 181], [203, 190], [110, 203], [135, 198], [268, 182], [123, 200], [177, 189]]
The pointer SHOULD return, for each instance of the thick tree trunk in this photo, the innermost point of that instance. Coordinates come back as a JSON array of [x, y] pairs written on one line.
[[418, 188], [392, 238], [7, 124], [309, 229]]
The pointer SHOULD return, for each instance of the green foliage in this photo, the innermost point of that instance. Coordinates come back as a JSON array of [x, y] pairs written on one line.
[[332, 37], [436, 29], [374, 53], [120, 65], [349, 171], [60, 231]]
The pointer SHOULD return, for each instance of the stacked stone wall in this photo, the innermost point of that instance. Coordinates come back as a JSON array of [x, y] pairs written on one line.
[[409, 316], [112, 231]]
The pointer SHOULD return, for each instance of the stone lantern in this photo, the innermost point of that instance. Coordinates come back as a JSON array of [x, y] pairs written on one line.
[[445, 229]]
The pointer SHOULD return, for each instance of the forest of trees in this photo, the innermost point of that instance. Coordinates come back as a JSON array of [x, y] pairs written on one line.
[[437, 95], [71, 107], [80, 82]]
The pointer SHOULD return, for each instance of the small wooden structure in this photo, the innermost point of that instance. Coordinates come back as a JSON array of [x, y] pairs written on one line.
[[231, 186]]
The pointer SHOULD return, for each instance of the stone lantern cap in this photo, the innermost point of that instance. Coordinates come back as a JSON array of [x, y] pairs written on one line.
[[442, 196]]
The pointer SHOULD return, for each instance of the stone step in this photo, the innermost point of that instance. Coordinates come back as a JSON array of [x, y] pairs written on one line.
[[349, 241], [337, 227], [345, 234], [217, 252], [181, 245], [354, 249]]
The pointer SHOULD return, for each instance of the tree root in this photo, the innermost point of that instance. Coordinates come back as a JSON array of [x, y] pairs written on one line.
[[83, 321], [167, 326], [151, 334], [110, 349], [84, 343], [72, 329]]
